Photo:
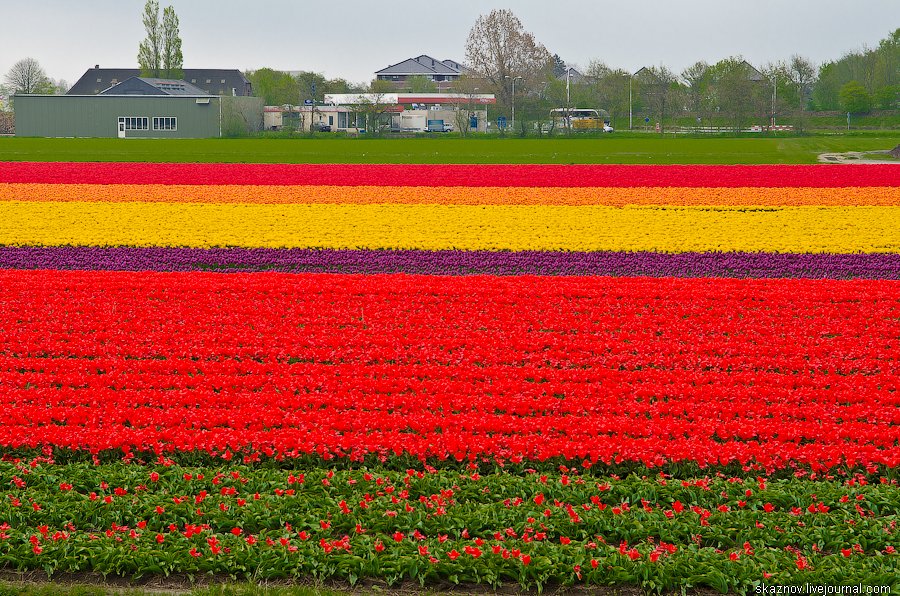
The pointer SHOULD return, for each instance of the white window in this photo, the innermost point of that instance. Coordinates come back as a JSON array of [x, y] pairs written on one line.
[[135, 122], [165, 123]]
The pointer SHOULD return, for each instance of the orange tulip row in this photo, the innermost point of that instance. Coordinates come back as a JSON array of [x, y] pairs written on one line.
[[452, 195]]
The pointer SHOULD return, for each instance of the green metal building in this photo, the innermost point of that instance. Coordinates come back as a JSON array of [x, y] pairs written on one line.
[[135, 108]]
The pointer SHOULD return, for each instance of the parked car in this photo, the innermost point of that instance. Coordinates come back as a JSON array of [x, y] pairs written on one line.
[[321, 127], [439, 126]]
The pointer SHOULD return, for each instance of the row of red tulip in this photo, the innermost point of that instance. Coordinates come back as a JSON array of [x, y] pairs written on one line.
[[437, 175], [650, 370]]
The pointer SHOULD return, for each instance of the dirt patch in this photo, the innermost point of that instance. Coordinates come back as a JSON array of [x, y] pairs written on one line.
[[878, 157], [182, 584]]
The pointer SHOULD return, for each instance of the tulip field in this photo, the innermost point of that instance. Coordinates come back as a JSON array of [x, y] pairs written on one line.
[[637, 376]]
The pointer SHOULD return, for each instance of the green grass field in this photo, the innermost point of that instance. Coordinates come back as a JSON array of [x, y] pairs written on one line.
[[610, 149]]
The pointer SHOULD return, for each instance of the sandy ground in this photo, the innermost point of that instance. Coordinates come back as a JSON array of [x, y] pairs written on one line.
[[883, 157]]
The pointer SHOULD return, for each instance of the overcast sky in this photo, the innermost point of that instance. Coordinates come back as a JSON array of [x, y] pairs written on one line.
[[354, 38]]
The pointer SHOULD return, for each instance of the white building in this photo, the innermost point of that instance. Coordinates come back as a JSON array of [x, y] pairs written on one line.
[[355, 113]]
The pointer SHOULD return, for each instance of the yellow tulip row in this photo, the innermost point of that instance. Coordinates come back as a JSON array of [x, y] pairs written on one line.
[[466, 227]]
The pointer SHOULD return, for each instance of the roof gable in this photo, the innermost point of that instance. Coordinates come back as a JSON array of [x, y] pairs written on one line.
[[461, 68], [420, 65], [133, 86], [174, 86], [152, 86], [96, 79]]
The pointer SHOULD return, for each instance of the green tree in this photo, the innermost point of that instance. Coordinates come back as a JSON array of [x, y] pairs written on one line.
[[150, 50], [275, 87], [874, 69], [159, 55], [887, 98], [172, 58], [855, 99], [312, 85], [420, 84], [559, 66]]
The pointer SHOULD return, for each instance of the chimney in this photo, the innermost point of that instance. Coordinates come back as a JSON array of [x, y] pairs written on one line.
[[97, 67]]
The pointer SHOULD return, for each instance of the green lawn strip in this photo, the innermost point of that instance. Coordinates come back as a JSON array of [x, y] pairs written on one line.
[[624, 149], [617, 531]]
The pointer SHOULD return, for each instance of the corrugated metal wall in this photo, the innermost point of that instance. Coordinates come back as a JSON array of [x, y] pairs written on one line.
[[98, 115]]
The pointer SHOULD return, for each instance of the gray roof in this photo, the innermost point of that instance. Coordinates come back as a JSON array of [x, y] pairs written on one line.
[[755, 75], [422, 65], [208, 80], [574, 76], [462, 68], [151, 86]]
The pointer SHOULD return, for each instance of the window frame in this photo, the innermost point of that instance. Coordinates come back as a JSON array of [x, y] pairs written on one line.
[[159, 123], [134, 122]]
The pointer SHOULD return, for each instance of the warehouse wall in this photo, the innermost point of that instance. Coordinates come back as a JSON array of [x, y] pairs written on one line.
[[97, 115]]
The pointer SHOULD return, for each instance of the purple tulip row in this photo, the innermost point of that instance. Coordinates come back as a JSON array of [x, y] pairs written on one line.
[[647, 264]]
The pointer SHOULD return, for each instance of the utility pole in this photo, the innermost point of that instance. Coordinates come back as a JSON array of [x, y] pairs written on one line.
[[774, 97], [513, 100], [312, 107], [630, 102]]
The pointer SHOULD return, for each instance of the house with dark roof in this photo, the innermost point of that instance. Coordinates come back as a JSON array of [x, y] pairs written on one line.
[[211, 81], [574, 76], [138, 107], [442, 72]]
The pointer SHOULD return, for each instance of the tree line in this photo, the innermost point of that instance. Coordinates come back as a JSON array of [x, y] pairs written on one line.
[[731, 92], [505, 59]]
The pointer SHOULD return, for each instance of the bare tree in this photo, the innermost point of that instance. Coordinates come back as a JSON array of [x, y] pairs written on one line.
[[60, 86], [742, 92], [373, 105], [656, 85], [462, 117], [499, 50], [172, 58], [610, 87], [27, 76], [803, 74], [150, 50], [696, 78]]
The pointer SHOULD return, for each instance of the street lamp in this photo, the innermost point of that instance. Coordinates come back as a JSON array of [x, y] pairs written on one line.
[[513, 99], [774, 96], [630, 102]]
